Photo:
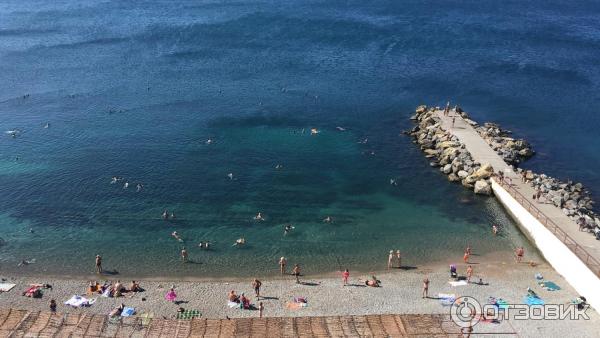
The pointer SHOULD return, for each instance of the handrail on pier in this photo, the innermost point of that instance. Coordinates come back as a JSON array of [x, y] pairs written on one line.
[[591, 262]]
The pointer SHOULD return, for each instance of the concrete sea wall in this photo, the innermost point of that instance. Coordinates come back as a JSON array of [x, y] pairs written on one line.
[[562, 259]]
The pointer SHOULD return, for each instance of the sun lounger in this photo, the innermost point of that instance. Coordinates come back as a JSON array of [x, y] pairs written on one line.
[[128, 311]]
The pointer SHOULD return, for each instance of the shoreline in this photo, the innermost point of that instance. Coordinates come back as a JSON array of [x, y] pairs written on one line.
[[432, 265], [400, 293]]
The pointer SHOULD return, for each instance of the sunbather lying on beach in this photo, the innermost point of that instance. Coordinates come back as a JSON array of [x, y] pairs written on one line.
[[232, 297], [117, 311], [374, 282]]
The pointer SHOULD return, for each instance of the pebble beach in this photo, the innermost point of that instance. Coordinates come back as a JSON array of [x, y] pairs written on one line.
[[400, 293]]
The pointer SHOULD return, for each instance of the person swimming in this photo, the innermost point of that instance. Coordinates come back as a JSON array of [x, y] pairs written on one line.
[[327, 219], [393, 181], [126, 185], [230, 175], [176, 236], [47, 125], [240, 241], [278, 166], [165, 214], [287, 229], [314, 131], [364, 141], [114, 180], [259, 217], [340, 128], [209, 141], [139, 187], [204, 245]]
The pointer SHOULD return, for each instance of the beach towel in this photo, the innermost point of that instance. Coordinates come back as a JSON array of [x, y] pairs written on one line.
[[77, 301], [446, 295], [458, 283], [5, 287], [446, 299], [128, 311], [106, 293], [530, 300], [189, 314], [295, 306], [146, 318], [549, 286], [300, 300], [233, 304]]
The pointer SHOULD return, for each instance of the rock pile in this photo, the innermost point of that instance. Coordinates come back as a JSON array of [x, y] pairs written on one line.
[[574, 200], [512, 150], [447, 153]]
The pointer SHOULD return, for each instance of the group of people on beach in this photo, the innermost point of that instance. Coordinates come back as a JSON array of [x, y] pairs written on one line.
[[109, 289]]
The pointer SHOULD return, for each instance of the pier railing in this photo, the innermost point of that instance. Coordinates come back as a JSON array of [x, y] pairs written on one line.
[[591, 262]]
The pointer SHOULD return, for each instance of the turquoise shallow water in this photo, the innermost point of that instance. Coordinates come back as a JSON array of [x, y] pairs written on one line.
[[135, 90]]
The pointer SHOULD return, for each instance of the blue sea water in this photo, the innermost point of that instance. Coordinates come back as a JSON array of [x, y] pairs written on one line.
[[135, 89]]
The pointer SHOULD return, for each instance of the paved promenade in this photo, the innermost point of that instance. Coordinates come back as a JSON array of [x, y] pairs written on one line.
[[21, 323], [483, 153]]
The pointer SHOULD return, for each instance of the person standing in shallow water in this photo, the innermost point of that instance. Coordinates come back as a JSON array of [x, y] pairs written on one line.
[[282, 264], [520, 252], [184, 255], [390, 259], [399, 259], [98, 264]]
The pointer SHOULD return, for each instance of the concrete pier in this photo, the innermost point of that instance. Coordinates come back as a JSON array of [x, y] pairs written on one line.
[[572, 253]]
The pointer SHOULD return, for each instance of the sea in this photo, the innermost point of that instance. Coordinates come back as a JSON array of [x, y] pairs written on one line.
[[177, 95]]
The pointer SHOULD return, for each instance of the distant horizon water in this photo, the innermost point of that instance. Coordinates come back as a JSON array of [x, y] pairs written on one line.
[[97, 90]]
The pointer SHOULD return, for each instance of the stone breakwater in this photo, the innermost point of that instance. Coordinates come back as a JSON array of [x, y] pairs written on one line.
[[574, 200], [449, 154]]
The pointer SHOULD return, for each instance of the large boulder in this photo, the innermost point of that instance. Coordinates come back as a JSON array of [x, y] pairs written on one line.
[[486, 171], [421, 109], [453, 178], [462, 174], [447, 169], [482, 188]]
